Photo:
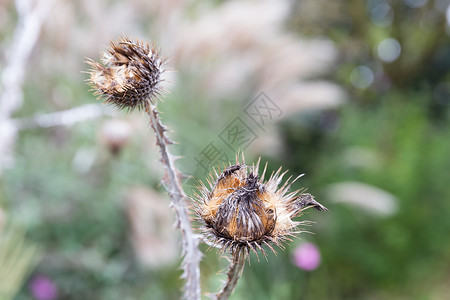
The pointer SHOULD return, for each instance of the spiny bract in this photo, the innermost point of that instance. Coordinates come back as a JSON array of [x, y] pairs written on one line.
[[239, 211], [130, 74]]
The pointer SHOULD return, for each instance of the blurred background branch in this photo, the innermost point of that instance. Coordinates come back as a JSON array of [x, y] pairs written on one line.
[[31, 15], [67, 117], [17, 257]]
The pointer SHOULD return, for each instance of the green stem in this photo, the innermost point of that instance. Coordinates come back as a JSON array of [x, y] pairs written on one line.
[[234, 273]]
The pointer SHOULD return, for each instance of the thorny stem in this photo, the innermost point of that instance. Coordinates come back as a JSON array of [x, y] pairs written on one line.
[[172, 183], [234, 273]]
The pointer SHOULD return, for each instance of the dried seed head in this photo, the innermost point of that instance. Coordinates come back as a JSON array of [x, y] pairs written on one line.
[[239, 211], [130, 74]]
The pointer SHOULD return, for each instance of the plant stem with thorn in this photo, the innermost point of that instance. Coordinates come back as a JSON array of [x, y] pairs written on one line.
[[234, 273], [172, 183]]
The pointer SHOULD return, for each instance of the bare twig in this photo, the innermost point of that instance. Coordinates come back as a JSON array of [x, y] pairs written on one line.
[[172, 183], [234, 273], [65, 118]]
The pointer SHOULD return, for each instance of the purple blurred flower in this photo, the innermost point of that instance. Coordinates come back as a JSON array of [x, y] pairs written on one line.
[[307, 256], [43, 288]]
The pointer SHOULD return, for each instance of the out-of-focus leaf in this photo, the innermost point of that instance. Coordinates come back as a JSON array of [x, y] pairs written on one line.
[[17, 259]]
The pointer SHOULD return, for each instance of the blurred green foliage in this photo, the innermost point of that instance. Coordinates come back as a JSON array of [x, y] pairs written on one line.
[[17, 259]]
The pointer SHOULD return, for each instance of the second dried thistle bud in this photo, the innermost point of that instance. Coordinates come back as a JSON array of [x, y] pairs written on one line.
[[130, 74], [239, 211]]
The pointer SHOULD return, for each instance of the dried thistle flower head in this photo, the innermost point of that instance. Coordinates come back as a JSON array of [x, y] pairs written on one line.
[[130, 74], [239, 211]]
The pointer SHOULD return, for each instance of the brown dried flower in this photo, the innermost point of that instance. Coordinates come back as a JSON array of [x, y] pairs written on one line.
[[130, 74], [239, 211]]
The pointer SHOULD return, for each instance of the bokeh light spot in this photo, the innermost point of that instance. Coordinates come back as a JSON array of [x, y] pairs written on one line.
[[361, 77], [416, 3], [447, 14], [389, 50], [382, 14]]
